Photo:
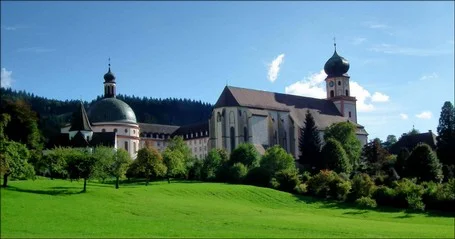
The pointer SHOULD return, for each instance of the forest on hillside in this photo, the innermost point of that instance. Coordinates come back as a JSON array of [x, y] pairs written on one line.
[[53, 114]]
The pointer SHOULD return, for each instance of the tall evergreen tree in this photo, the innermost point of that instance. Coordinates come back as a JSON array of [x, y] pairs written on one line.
[[446, 138], [310, 143]]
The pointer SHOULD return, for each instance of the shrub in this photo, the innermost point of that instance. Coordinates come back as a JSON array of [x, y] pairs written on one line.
[[327, 184], [366, 202], [423, 164], [408, 194], [301, 188], [335, 158], [319, 184], [342, 188], [306, 176], [237, 173], [211, 165], [287, 180], [258, 177], [362, 186], [439, 196], [384, 196], [245, 154]]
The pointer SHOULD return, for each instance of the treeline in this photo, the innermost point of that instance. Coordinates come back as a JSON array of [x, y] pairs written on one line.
[[53, 114]]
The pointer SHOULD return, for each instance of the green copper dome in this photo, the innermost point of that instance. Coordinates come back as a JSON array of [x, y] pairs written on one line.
[[111, 110], [336, 66]]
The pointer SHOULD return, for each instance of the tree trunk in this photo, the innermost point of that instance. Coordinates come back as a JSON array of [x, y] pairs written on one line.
[[146, 181], [5, 180], [85, 185], [116, 183], [168, 179]]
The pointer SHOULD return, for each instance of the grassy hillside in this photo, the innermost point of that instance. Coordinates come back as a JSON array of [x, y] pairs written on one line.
[[45, 208]]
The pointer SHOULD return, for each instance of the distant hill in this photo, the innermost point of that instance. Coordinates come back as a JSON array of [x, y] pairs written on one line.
[[53, 114]]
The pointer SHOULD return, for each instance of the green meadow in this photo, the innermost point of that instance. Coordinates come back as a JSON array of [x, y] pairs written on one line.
[[57, 208]]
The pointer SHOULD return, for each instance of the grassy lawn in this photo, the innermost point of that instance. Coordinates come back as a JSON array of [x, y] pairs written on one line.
[[56, 208]]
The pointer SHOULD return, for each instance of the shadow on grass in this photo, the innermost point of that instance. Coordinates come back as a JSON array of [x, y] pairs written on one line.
[[326, 203], [54, 191]]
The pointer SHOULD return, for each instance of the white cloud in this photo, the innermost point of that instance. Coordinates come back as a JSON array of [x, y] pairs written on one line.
[[6, 79], [431, 76], [409, 51], [379, 97], [362, 95], [310, 86], [404, 116], [358, 40], [424, 115], [274, 68], [314, 86]]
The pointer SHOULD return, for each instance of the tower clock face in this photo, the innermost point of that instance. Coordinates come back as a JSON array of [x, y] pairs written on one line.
[[331, 84]]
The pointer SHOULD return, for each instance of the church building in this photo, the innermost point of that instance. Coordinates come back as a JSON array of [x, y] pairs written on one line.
[[266, 118], [239, 116]]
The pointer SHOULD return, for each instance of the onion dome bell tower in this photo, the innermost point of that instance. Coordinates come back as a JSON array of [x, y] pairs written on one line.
[[337, 85], [109, 83]]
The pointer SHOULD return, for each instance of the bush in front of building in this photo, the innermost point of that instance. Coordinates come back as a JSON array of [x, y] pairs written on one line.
[[365, 202], [362, 186], [237, 173], [328, 184], [286, 180], [245, 154]]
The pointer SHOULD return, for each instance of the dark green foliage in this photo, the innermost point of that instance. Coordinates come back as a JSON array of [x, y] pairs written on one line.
[[306, 176], [334, 157], [245, 154], [237, 173], [385, 196], [195, 170], [211, 164], [286, 180], [119, 165], [258, 176], [423, 164], [438, 196], [366, 202], [277, 159], [402, 158], [55, 161], [344, 133], [23, 124], [53, 114], [327, 184], [375, 157], [104, 159], [391, 139], [13, 161], [310, 143], [446, 138], [175, 163], [150, 163], [362, 186]]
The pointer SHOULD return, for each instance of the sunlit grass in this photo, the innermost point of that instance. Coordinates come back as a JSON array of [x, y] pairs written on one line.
[[56, 208]]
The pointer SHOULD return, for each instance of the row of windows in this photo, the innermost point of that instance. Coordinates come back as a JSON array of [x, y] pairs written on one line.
[[156, 136], [191, 142], [196, 134], [200, 149], [115, 130]]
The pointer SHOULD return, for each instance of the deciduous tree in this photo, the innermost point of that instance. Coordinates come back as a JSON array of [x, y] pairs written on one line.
[[150, 163], [345, 134]]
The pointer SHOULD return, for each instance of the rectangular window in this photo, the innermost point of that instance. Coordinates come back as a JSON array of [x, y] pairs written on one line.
[[349, 114], [126, 146]]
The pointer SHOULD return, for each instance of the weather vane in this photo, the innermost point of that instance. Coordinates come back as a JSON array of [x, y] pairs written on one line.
[[109, 62], [335, 43]]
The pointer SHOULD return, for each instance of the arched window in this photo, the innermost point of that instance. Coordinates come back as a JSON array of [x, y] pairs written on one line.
[[349, 114], [103, 130], [126, 130], [347, 92], [115, 130], [275, 139], [339, 82], [231, 118], [218, 117], [285, 142], [245, 134], [332, 93], [126, 146], [232, 139]]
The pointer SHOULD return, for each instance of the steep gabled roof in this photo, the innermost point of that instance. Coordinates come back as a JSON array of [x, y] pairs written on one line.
[[235, 96], [79, 141], [324, 111], [79, 120], [410, 141], [157, 128], [201, 127], [103, 139]]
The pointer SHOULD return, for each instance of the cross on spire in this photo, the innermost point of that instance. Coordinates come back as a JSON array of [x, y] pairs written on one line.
[[109, 62], [335, 43]]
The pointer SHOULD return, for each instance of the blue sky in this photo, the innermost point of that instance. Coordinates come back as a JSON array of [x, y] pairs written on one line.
[[401, 53]]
